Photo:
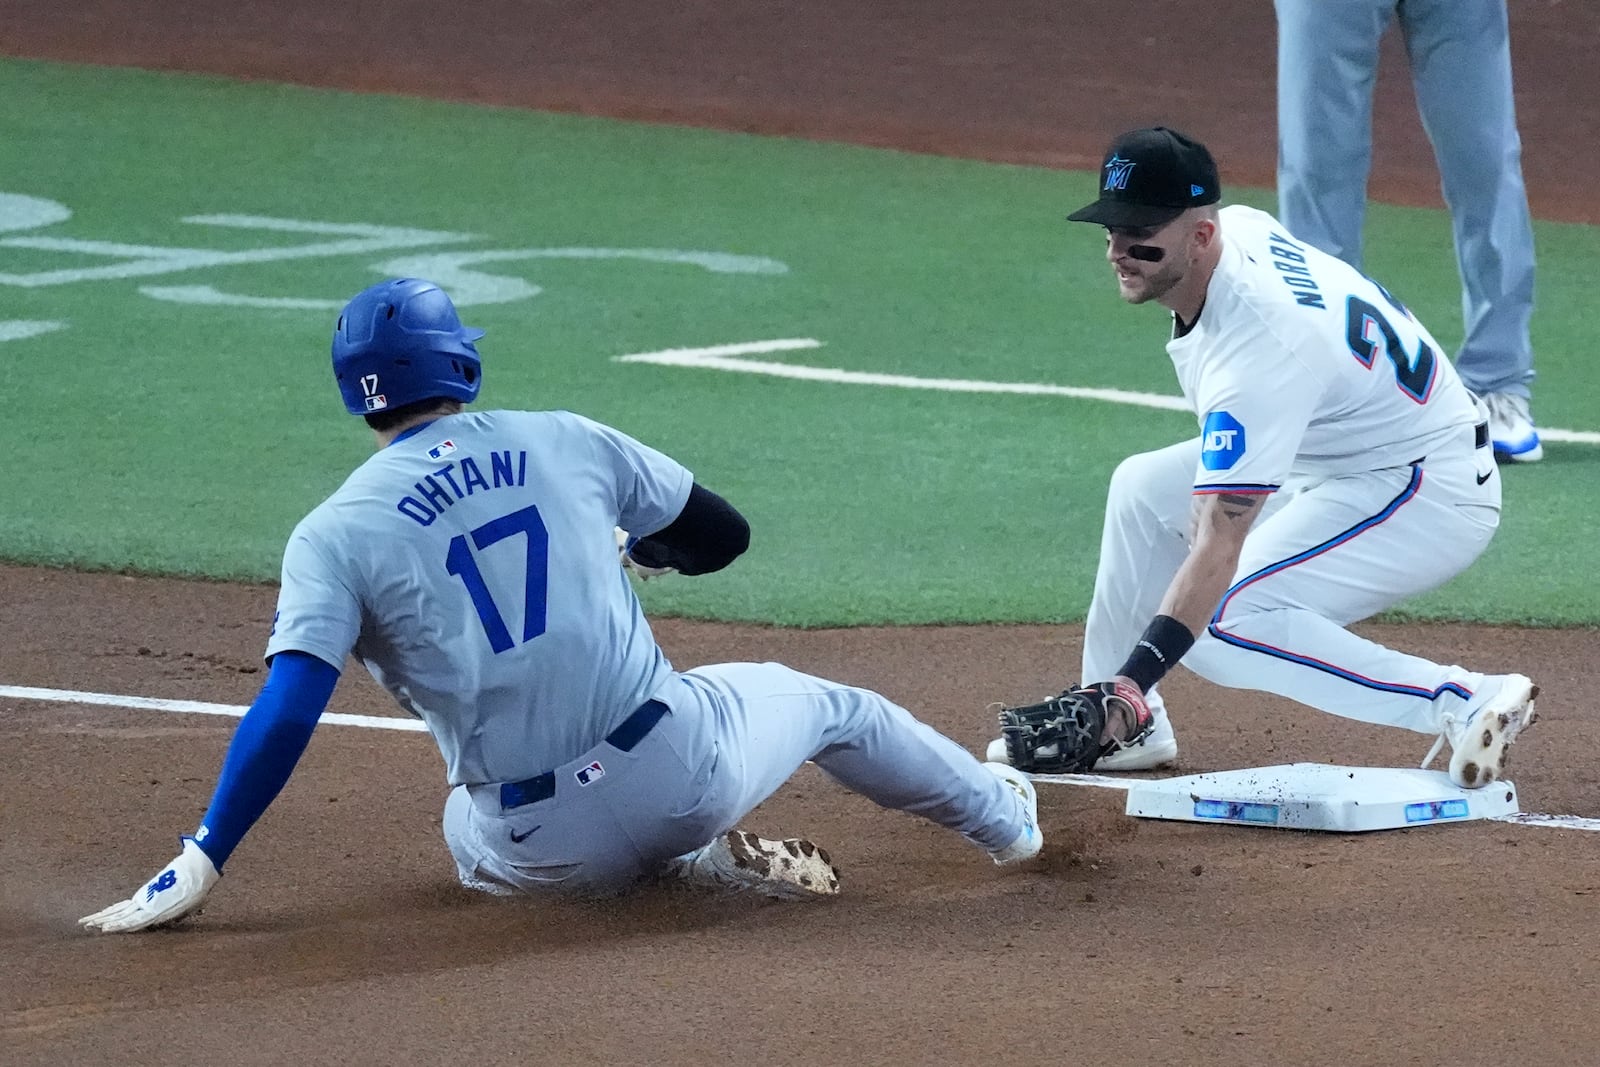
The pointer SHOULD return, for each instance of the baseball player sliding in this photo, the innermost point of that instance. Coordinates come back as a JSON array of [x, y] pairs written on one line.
[[1341, 467], [471, 565]]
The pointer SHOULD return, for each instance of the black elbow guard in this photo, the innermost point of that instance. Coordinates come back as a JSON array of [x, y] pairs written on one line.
[[706, 536]]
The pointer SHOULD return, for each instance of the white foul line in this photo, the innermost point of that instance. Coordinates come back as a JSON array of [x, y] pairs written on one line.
[[195, 707], [719, 357], [1097, 780], [1576, 437], [1560, 822], [383, 722]]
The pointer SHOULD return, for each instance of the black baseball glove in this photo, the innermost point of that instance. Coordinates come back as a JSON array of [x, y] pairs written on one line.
[[1063, 735]]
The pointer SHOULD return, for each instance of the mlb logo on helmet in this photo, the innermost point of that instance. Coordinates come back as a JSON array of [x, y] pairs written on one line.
[[377, 403], [1221, 441], [592, 773]]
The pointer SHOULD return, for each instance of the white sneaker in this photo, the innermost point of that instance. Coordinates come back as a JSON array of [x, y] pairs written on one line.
[[1480, 743], [738, 861], [470, 880], [1158, 748], [1511, 430], [1031, 839]]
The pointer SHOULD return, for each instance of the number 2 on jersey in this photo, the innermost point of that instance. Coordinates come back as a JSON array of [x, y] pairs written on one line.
[[1413, 374], [460, 562]]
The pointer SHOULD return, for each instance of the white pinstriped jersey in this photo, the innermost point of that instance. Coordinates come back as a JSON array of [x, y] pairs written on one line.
[[472, 566], [1300, 366]]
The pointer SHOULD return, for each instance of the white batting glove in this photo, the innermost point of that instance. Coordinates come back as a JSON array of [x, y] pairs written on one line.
[[169, 896], [628, 564]]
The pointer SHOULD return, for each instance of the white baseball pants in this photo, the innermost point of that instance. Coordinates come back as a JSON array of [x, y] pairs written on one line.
[[1321, 557]]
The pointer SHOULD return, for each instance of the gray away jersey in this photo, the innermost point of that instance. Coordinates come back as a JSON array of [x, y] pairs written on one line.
[[472, 566]]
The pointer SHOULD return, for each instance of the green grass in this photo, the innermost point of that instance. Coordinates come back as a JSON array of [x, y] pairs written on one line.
[[188, 439]]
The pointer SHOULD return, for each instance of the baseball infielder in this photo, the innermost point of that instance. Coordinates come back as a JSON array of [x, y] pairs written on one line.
[[471, 566], [1341, 467]]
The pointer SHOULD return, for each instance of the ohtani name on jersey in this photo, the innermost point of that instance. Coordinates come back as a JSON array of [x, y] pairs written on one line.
[[458, 479], [1290, 260]]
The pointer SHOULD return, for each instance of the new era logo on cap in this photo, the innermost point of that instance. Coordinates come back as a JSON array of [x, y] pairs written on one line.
[[1151, 176]]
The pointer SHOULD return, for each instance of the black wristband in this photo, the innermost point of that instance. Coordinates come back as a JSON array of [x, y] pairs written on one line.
[[1162, 645]]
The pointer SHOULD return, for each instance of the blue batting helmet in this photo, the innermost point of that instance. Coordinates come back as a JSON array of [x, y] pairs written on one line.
[[401, 341]]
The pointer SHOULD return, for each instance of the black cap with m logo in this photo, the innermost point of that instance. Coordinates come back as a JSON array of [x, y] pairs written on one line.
[[1150, 177]]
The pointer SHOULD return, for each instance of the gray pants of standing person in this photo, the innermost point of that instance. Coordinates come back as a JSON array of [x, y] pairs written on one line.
[[1460, 58]]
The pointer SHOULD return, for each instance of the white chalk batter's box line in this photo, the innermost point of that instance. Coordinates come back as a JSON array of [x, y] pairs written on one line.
[[384, 722]]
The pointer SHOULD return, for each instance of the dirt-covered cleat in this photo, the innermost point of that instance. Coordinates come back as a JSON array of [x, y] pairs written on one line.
[[738, 862], [1481, 742]]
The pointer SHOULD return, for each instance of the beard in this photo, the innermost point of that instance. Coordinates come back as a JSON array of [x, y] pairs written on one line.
[[1141, 289]]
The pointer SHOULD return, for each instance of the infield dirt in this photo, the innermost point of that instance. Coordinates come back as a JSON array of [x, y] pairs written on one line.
[[339, 934]]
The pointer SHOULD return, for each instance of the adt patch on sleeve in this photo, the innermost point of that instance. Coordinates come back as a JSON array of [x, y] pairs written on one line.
[[1221, 441]]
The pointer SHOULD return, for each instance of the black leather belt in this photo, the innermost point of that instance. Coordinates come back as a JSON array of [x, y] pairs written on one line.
[[623, 738]]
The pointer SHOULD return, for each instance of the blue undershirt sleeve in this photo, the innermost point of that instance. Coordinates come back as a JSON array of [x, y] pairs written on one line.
[[265, 749]]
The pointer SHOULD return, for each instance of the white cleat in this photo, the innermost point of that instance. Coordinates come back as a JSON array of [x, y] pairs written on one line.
[[1031, 838], [738, 862], [470, 880], [1158, 748], [1511, 430], [1481, 742]]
